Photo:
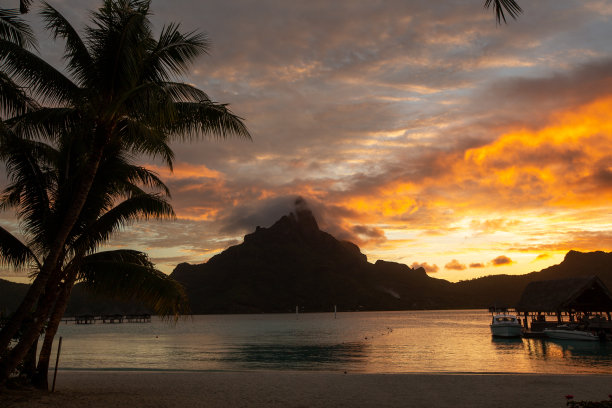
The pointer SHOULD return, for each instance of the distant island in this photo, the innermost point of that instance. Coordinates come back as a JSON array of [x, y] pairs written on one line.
[[294, 263]]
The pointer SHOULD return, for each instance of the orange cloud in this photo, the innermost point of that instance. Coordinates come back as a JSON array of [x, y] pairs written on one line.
[[186, 171], [428, 268], [567, 163], [477, 265], [501, 261], [455, 265]]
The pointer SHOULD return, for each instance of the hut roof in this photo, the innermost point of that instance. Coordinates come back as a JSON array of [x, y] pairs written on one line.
[[580, 294]]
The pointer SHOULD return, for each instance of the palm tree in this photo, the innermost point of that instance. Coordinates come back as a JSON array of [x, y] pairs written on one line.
[[40, 171], [121, 90]]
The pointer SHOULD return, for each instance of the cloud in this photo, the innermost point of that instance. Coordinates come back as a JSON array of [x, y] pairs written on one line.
[[455, 265], [426, 122], [542, 256], [428, 268], [477, 265], [501, 261], [490, 226]]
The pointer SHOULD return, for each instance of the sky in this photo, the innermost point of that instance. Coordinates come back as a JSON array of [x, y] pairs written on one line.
[[422, 131]]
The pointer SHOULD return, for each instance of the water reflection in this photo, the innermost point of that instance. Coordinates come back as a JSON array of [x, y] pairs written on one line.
[[313, 356], [581, 355], [512, 343], [582, 348]]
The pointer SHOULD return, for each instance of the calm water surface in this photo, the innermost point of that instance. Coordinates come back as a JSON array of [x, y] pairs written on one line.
[[371, 342]]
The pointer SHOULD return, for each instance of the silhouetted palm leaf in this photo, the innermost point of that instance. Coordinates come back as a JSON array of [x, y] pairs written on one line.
[[129, 275], [14, 253], [24, 6], [13, 28], [500, 7]]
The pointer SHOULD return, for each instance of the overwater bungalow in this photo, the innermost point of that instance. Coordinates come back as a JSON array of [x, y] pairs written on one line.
[[584, 300]]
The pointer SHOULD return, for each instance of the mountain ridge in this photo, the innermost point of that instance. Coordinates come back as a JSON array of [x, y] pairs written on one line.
[[293, 263]]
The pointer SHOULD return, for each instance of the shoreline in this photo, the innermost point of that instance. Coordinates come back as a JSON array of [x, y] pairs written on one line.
[[137, 389]]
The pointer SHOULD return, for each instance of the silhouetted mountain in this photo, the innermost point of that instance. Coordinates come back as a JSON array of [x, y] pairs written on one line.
[[295, 263]]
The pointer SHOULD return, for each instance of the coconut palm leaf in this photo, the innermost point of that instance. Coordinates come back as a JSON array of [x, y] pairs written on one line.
[[140, 138], [119, 41], [500, 7], [13, 252], [46, 123], [32, 72], [206, 118], [180, 92], [13, 99], [129, 275], [29, 182], [24, 6], [174, 53], [13, 28], [79, 61], [143, 206]]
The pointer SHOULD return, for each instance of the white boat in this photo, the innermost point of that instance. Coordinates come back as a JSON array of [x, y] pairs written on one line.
[[505, 325], [565, 332]]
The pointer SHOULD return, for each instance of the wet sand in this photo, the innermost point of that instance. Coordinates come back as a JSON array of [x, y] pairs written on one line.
[[103, 389]]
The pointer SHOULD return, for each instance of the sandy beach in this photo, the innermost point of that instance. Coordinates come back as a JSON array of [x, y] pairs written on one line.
[[308, 389]]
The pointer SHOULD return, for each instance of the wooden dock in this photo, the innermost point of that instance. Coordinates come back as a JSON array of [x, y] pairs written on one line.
[[108, 319]]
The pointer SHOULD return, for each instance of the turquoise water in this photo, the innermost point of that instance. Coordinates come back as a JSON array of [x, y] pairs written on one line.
[[369, 342]]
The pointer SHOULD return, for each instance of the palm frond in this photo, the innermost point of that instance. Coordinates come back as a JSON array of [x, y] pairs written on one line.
[[80, 63], [140, 138], [24, 6], [129, 275], [13, 100], [500, 7], [144, 176], [206, 118], [30, 182], [35, 74], [14, 29], [118, 44], [174, 53], [13, 252], [180, 92], [46, 123], [138, 207]]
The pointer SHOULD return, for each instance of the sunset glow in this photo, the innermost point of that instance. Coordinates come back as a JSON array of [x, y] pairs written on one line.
[[422, 132]]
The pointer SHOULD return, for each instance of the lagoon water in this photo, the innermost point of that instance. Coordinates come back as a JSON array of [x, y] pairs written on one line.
[[368, 342]]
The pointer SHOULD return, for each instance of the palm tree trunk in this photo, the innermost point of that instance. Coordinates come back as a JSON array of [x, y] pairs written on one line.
[[29, 362], [8, 364], [40, 379], [32, 331]]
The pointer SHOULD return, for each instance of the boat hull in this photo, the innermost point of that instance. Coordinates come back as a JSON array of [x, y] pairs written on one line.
[[506, 330], [559, 334]]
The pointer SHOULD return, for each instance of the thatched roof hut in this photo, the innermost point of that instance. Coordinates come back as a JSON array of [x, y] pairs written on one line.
[[584, 294]]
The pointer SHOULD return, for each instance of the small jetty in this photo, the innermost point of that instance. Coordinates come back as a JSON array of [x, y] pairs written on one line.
[[584, 301], [108, 319]]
